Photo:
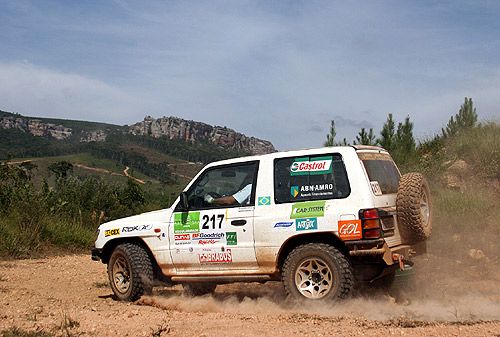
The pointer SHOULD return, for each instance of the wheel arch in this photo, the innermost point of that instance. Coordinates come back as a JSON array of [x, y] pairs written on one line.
[[110, 246], [298, 240]]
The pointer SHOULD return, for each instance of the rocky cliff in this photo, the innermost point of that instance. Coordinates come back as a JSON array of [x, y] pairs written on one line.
[[171, 127], [191, 131], [35, 126]]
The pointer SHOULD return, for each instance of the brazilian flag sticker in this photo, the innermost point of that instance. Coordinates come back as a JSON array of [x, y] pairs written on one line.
[[264, 201]]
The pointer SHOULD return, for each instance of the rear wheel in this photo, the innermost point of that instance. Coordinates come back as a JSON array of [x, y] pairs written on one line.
[[413, 205], [317, 271], [130, 272], [198, 289]]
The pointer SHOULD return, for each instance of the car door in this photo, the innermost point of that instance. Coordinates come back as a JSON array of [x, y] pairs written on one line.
[[213, 237]]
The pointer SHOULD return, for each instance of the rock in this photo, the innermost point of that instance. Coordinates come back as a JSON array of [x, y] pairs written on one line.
[[93, 136], [36, 127], [191, 131], [476, 254], [456, 173]]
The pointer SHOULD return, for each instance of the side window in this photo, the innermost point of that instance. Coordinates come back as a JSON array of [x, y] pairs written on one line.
[[236, 180], [310, 178]]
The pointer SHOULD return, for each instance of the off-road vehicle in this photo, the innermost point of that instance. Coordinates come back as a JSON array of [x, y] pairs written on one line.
[[319, 220]]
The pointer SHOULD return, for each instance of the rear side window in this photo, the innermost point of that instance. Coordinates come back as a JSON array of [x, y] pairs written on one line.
[[310, 178], [381, 171]]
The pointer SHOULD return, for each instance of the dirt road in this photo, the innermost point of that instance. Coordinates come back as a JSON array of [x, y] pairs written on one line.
[[69, 296]]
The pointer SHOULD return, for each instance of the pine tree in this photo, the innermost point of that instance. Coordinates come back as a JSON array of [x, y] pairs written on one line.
[[365, 138], [330, 138], [404, 145], [387, 139], [466, 118]]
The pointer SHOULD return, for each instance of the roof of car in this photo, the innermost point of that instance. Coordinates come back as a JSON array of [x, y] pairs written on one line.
[[300, 152]]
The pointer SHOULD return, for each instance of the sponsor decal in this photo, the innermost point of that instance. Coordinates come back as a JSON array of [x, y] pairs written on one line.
[[313, 165], [283, 224], [136, 228], [350, 229], [216, 257], [294, 191], [308, 209], [182, 237], [231, 238], [264, 201], [376, 188], [187, 222], [306, 224], [111, 232], [315, 190], [207, 242], [202, 236]]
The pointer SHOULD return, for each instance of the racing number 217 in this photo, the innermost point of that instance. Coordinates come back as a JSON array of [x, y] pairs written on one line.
[[207, 219]]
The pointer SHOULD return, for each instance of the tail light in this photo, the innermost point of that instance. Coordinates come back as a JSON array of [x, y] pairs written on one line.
[[370, 222]]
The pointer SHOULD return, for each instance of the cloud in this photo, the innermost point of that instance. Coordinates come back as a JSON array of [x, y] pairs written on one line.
[[37, 91], [275, 70]]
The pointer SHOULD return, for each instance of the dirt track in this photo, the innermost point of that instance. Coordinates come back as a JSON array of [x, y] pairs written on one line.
[[38, 294]]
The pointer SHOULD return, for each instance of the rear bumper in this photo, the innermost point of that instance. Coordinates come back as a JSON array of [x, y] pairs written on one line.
[[378, 247], [96, 254]]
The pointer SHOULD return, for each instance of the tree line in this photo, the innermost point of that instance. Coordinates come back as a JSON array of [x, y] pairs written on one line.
[[399, 139]]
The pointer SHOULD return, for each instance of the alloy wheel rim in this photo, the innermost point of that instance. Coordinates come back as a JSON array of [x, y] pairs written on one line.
[[121, 275], [314, 278]]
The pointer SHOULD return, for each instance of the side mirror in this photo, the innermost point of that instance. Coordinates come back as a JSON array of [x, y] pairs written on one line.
[[184, 201]]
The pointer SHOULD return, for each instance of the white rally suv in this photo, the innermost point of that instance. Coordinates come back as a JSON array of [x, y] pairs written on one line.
[[319, 220]]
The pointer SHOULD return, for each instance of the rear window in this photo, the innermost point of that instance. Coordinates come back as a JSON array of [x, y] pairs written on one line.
[[382, 172], [310, 178]]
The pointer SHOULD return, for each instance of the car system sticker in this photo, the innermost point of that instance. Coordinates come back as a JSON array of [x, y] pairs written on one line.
[[308, 209]]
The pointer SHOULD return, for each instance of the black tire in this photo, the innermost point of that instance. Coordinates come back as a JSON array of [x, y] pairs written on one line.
[[340, 275], [413, 205], [130, 272], [198, 289]]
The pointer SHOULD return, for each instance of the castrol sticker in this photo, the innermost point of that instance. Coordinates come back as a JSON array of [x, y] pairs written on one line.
[[350, 229], [306, 166]]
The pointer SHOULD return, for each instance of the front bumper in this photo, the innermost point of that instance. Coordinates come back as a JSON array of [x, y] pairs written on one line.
[[96, 254]]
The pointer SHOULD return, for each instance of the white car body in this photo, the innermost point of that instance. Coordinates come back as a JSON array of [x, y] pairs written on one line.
[[237, 243]]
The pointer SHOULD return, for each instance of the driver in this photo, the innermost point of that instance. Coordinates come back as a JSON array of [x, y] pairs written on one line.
[[241, 197]]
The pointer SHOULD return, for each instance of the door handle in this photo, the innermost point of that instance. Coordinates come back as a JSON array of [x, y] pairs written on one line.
[[238, 222]]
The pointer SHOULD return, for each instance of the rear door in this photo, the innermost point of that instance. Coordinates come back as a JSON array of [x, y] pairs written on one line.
[[383, 176], [209, 237]]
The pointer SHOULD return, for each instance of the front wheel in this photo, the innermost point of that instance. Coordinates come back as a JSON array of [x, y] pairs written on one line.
[[130, 272], [317, 271]]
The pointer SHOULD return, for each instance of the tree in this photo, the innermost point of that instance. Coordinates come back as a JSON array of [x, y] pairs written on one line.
[[387, 135], [405, 146], [330, 138], [365, 138], [61, 168], [466, 118]]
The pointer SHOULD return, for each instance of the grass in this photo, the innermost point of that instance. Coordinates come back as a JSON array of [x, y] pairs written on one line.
[[18, 332]]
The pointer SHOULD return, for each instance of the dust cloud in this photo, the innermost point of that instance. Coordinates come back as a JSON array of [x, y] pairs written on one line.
[[452, 283]]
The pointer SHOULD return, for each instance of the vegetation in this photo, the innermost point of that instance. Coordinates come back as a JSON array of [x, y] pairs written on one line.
[[66, 214]]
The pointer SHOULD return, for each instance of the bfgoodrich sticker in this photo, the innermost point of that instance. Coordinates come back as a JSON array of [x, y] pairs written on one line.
[[308, 209]]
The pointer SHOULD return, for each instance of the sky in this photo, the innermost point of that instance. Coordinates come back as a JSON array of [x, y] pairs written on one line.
[[277, 70]]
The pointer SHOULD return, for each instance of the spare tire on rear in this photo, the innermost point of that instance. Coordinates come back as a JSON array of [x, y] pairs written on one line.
[[413, 205]]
